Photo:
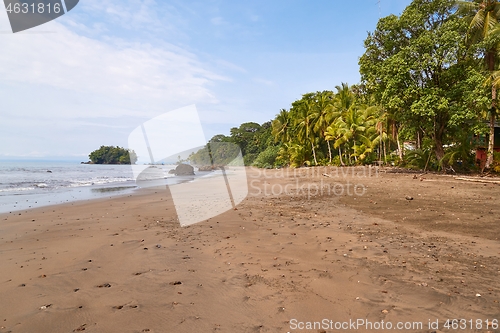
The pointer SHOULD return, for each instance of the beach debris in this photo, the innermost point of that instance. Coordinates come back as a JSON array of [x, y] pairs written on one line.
[[104, 285], [478, 295], [385, 311], [158, 246], [408, 197], [175, 283], [80, 328], [76, 289], [44, 307]]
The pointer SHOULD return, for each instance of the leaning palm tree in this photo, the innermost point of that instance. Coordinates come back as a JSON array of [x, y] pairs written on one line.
[[483, 28]]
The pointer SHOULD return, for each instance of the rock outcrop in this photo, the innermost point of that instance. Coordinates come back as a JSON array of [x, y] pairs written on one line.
[[184, 170]]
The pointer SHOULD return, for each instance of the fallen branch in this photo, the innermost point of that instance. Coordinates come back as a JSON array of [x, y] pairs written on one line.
[[476, 180]]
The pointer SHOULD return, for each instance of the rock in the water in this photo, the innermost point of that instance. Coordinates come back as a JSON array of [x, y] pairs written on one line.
[[184, 170]]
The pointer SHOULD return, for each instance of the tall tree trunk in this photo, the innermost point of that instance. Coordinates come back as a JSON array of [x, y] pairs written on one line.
[[314, 154], [400, 150], [439, 150], [329, 150], [438, 142], [385, 152], [340, 155], [491, 142], [491, 59], [419, 139]]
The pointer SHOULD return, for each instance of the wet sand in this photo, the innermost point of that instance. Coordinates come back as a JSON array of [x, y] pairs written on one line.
[[411, 248]]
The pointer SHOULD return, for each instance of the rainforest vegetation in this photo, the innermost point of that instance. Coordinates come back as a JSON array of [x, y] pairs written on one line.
[[112, 155], [427, 98]]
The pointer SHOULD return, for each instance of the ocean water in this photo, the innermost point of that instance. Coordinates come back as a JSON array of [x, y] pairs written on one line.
[[30, 184]]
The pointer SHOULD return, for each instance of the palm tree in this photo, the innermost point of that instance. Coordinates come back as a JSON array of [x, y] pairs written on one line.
[[306, 117], [345, 97], [484, 16], [326, 113], [357, 131], [281, 127], [367, 134], [336, 132]]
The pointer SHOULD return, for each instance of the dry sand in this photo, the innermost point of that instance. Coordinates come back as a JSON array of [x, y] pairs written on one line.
[[125, 265]]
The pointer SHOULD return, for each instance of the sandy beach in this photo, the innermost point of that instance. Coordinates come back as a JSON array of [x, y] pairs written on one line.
[[394, 247]]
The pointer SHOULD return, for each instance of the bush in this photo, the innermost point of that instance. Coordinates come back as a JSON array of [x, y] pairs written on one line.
[[267, 158], [496, 162]]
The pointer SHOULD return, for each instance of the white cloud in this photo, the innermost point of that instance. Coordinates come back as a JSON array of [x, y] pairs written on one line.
[[70, 91], [113, 70]]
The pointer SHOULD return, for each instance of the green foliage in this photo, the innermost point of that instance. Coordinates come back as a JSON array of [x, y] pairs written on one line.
[[423, 80], [420, 159], [496, 162], [113, 155], [267, 158], [420, 69], [251, 138], [460, 156], [323, 125]]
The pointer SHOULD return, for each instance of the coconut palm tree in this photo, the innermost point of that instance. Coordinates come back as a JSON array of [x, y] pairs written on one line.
[[356, 130], [345, 96], [281, 126], [326, 113], [306, 116], [484, 16]]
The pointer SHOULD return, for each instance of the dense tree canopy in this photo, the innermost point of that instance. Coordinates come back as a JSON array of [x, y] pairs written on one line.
[[427, 92], [251, 138], [113, 155], [419, 68]]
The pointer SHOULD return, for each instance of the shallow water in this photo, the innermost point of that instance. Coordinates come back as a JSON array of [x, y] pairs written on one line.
[[30, 184]]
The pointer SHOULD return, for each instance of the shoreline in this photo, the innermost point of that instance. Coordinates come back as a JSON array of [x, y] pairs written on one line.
[[63, 195], [124, 264]]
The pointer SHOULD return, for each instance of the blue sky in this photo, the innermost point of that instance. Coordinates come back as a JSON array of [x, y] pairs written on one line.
[[93, 75]]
